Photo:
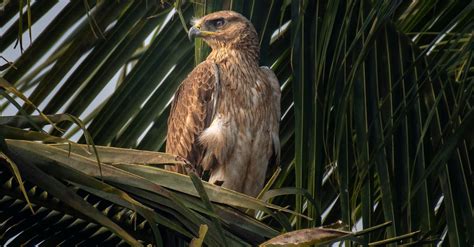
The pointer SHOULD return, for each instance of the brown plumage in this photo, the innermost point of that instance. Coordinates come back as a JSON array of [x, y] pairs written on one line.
[[225, 115]]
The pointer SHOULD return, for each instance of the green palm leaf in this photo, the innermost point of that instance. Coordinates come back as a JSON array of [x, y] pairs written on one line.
[[375, 132]]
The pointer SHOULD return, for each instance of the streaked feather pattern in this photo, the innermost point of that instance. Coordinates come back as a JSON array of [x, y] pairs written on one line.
[[225, 115]]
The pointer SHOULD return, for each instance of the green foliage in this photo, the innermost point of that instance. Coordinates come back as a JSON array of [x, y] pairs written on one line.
[[376, 132]]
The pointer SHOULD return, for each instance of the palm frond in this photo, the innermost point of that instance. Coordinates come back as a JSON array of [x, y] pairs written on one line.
[[376, 105]]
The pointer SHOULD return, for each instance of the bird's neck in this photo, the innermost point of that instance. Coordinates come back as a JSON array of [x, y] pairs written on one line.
[[247, 55], [244, 48]]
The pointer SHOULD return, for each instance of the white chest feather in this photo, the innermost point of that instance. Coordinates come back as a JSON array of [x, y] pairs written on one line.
[[219, 138]]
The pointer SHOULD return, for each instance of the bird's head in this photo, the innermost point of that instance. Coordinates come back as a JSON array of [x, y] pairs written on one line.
[[225, 29]]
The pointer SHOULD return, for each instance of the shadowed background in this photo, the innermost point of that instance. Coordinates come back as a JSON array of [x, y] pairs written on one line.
[[376, 101]]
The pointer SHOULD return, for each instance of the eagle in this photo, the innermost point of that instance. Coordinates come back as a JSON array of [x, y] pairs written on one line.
[[225, 115]]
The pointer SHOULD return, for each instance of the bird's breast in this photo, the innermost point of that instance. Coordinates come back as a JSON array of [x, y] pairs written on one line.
[[243, 112]]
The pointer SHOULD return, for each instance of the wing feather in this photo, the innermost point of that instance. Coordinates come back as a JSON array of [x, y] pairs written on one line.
[[276, 113], [192, 111]]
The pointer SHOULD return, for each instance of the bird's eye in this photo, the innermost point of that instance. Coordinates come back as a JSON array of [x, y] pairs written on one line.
[[219, 23]]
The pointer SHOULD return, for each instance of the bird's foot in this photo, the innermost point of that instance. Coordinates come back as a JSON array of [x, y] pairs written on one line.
[[218, 182], [188, 166]]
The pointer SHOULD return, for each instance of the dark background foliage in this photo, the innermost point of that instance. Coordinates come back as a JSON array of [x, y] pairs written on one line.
[[376, 127]]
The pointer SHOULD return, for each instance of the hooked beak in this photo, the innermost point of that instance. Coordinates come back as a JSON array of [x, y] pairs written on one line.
[[194, 32], [198, 31]]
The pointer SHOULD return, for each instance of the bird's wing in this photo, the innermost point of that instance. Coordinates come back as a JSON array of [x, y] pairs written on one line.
[[276, 113], [192, 111]]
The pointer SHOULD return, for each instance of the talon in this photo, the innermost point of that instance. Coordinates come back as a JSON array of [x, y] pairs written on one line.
[[188, 166], [218, 182]]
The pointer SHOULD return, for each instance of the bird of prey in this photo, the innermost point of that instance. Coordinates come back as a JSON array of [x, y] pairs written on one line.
[[225, 115]]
